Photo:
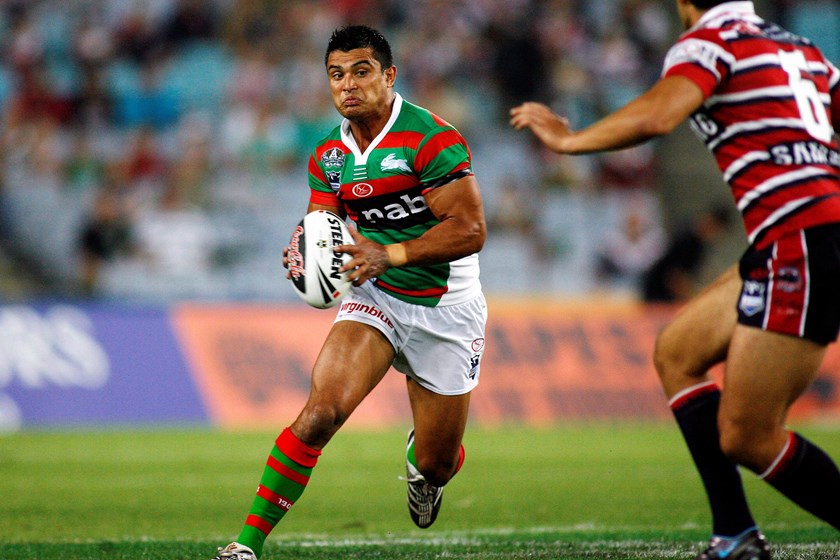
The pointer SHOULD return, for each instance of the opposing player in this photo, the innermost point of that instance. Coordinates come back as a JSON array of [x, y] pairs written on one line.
[[767, 104], [404, 176]]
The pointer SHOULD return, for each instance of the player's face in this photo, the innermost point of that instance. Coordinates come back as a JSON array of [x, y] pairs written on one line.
[[360, 88]]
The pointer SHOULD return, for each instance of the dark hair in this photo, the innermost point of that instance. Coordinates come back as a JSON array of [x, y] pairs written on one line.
[[706, 4], [361, 37]]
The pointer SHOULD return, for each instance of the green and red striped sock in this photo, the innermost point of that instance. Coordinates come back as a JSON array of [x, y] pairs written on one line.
[[284, 479]]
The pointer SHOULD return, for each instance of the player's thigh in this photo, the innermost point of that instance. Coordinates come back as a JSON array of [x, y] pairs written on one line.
[[439, 422], [353, 360], [698, 336], [766, 372]]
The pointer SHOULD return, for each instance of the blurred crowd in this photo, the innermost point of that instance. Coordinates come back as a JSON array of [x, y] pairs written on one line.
[[155, 149]]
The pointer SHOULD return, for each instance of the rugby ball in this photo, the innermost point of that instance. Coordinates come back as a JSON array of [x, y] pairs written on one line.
[[314, 264]]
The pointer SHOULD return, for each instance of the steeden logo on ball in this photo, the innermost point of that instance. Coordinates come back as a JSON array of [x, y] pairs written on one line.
[[313, 262]]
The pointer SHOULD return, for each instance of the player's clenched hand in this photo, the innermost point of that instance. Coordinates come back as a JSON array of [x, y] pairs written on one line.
[[548, 126], [370, 259]]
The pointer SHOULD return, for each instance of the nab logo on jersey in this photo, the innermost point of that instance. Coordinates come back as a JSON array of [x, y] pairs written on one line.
[[397, 210]]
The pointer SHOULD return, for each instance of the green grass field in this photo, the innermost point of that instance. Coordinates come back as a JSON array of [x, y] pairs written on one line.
[[594, 491]]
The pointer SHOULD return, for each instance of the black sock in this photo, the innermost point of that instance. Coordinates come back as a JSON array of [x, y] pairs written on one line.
[[696, 411], [808, 477]]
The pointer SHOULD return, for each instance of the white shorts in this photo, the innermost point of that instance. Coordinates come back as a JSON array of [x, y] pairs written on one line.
[[438, 347]]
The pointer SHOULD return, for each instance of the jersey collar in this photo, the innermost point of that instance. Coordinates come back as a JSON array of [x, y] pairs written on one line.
[[350, 142], [740, 8]]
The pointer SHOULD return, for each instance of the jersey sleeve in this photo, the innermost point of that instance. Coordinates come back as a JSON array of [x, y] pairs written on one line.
[[701, 59], [319, 188], [442, 157]]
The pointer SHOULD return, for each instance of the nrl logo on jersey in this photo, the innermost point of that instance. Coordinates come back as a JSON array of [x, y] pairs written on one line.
[[333, 161], [333, 157], [391, 163]]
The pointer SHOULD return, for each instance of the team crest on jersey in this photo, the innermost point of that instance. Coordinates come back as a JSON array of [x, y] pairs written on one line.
[[333, 158], [392, 163], [752, 298], [788, 279], [333, 162]]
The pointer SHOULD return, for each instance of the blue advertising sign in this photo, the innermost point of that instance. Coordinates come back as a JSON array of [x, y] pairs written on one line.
[[92, 365]]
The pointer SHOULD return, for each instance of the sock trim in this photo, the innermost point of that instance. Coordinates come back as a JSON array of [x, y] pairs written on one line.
[[782, 459], [259, 524], [296, 450], [679, 399]]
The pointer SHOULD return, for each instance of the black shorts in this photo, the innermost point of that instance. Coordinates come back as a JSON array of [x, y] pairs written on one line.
[[793, 286]]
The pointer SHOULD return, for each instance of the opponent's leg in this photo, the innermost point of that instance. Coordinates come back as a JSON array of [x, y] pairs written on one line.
[[353, 360], [765, 373], [434, 452], [693, 342]]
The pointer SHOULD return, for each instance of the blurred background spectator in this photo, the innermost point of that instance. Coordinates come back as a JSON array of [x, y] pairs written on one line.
[[673, 277], [156, 150]]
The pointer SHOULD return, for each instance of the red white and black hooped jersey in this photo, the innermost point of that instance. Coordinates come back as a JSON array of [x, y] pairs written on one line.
[[766, 118]]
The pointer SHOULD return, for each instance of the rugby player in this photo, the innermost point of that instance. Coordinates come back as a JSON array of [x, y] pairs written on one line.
[[767, 105], [404, 176]]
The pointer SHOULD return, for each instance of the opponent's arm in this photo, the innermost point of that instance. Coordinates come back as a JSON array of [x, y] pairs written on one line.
[[461, 232], [656, 112]]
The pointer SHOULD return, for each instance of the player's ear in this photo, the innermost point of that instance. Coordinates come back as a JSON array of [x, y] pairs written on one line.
[[391, 76]]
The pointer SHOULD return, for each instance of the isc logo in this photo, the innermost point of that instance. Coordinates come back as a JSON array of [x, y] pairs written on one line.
[[397, 211]]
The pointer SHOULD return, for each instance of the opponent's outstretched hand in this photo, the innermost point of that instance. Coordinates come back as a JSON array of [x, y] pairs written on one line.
[[549, 127]]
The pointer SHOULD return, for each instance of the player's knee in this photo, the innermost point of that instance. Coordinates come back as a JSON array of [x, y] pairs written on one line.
[[319, 421], [667, 359], [742, 443]]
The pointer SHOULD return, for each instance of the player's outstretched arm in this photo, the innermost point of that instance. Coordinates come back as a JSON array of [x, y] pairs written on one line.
[[654, 113]]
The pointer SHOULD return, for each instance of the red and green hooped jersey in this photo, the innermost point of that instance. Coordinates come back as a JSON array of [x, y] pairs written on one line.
[[382, 191]]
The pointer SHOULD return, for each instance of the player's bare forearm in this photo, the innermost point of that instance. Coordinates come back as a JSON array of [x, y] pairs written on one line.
[[450, 240], [654, 113], [461, 232]]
